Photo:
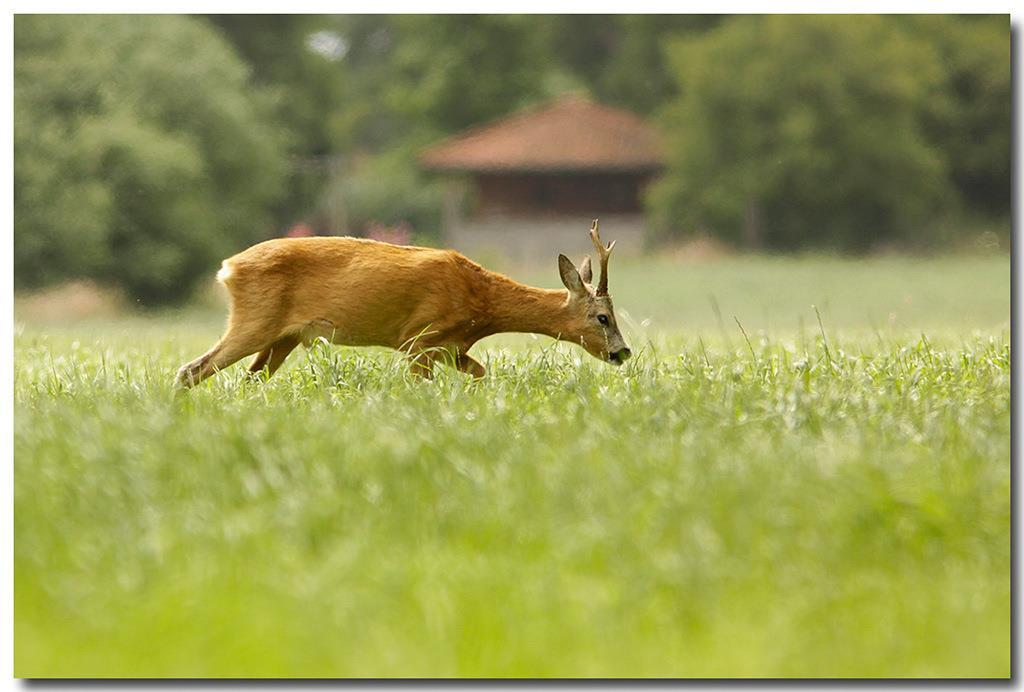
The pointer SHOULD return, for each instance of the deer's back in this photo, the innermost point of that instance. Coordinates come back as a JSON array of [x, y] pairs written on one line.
[[366, 292]]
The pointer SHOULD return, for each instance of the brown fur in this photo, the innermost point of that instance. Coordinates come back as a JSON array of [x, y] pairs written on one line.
[[422, 301]]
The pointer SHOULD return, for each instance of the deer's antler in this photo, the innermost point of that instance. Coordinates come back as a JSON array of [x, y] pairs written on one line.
[[602, 253]]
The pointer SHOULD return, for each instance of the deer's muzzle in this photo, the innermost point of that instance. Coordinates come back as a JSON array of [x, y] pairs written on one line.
[[619, 357]]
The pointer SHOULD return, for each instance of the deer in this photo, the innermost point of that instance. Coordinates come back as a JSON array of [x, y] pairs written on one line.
[[430, 304]]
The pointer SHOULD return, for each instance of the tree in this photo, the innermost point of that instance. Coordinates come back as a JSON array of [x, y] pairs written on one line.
[[795, 131], [413, 79], [142, 153], [969, 120], [621, 58], [298, 62]]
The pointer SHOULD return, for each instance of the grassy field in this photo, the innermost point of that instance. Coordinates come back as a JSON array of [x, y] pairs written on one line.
[[798, 501]]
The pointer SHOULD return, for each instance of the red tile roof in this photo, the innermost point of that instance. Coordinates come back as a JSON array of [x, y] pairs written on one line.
[[572, 134]]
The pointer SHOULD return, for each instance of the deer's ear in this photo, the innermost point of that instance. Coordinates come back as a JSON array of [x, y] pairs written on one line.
[[570, 277], [586, 273]]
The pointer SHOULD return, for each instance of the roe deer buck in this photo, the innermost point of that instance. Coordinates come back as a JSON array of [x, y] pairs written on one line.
[[428, 303]]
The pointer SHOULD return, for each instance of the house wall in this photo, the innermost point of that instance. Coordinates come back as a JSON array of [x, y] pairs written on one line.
[[539, 239]]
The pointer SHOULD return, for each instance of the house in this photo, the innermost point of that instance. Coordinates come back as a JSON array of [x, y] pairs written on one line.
[[527, 186]]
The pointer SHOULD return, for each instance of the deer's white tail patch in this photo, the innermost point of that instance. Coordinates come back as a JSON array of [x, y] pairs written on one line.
[[225, 272]]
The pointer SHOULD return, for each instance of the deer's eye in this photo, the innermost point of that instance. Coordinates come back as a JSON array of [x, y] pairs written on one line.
[[603, 319]]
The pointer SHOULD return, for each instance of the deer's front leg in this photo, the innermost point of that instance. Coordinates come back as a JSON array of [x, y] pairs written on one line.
[[468, 365]]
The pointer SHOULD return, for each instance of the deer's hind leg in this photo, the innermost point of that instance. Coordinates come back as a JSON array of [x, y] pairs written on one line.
[[237, 343], [273, 356], [255, 324]]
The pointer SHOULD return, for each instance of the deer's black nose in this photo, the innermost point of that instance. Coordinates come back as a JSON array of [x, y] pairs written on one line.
[[620, 356]]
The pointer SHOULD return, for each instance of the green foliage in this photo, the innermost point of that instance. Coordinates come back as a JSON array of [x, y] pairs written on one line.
[[389, 189], [304, 84], [418, 77], [142, 154], [307, 89], [969, 121], [463, 70], [796, 131], [621, 58]]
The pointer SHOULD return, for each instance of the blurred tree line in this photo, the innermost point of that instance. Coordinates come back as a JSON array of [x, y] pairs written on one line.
[[147, 148]]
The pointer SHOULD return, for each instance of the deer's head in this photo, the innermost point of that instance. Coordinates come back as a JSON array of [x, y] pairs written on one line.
[[591, 321]]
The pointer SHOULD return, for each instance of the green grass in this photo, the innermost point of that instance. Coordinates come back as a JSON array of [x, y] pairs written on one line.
[[799, 505]]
